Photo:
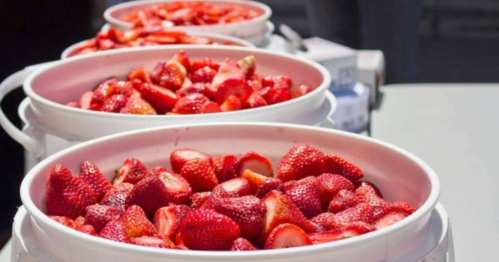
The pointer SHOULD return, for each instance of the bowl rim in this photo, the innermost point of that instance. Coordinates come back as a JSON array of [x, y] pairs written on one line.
[[322, 87], [266, 12], [423, 210]]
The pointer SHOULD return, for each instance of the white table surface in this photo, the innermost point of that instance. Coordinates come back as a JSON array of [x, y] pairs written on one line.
[[455, 129]]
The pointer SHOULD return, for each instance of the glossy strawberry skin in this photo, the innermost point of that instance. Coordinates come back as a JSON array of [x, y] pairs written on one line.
[[301, 161], [114, 104], [338, 165], [224, 167], [99, 215], [242, 244], [343, 200], [93, 177], [136, 105], [167, 220], [352, 230], [306, 195], [81, 225], [255, 100], [286, 236], [116, 196], [203, 75], [162, 99], [132, 171], [66, 221], [231, 103], [150, 194], [179, 190], [179, 157], [116, 231], [190, 104], [270, 183], [330, 184], [362, 212], [198, 199], [136, 222], [237, 187], [169, 74], [200, 175], [326, 222]]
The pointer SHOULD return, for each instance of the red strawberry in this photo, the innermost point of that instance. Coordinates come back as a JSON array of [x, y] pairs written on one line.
[[228, 70], [247, 211], [354, 229], [256, 180], [299, 162], [237, 187], [66, 221], [73, 104], [114, 103], [117, 195], [248, 65], [254, 162], [362, 212], [179, 190], [198, 199], [179, 157], [224, 167], [305, 194], [116, 231], [93, 177], [193, 88], [343, 200], [272, 80], [127, 88], [271, 183], [198, 40], [137, 106], [396, 207], [403, 207], [327, 221], [183, 59], [161, 98], [200, 175], [203, 75], [99, 215], [132, 171], [104, 90], [160, 39], [136, 222], [169, 74], [278, 93], [167, 220], [195, 65], [338, 165], [86, 101], [254, 101], [210, 107], [232, 87], [150, 194], [242, 244], [330, 185], [389, 219], [206, 229], [148, 241], [81, 225], [190, 104], [179, 242], [301, 90], [231, 103], [366, 190], [67, 195], [139, 74], [286, 236]]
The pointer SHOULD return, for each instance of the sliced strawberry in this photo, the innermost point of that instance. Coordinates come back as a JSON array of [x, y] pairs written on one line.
[[343, 200], [137, 106], [148, 241], [117, 195], [67, 195], [286, 236], [195, 65], [169, 74], [193, 88], [237, 187], [232, 87], [136, 222], [231, 103], [183, 59], [326, 222], [81, 225], [362, 212], [198, 199], [114, 103], [127, 88], [198, 40], [93, 177], [306, 195], [200, 175], [248, 65], [86, 101], [330, 185], [254, 162], [73, 104], [272, 80], [254, 101], [114, 35], [132, 171], [206, 229], [242, 244], [337, 165], [256, 180], [366, 190], [389, 219], [150, 194], [179, 190], [352, 230], [139, 74], [190, 104], [278, 93], [167, 220], [301, 161], [99, 215], [228, 69], [203, 75], [271, 183], [210, 107], [103, 91], [161, 39], [301, 90], [383, 208], [179, 157], [162, 99], [116, 231], [133, 34], [66, 221]]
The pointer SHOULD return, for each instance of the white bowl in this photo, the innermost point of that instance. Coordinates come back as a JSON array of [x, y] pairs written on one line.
[[244, 29], [399, 175]]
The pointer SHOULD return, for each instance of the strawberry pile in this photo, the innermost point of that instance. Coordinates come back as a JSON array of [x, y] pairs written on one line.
[[178, 86], [223, 202], [188, 14]]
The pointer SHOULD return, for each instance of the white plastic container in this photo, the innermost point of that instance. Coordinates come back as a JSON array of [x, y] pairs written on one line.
[[53, 85], [248, 29], [399, 175]]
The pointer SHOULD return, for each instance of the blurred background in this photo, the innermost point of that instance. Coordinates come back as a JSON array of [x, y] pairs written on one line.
[[423, 41]]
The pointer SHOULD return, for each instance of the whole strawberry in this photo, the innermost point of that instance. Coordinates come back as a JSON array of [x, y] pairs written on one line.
[[306, 195], [338, 165], [150, 194], [224, 167], [99, 215], [299, 162], [91, 175], [116, 196], [200, 175], [116, 231], [343, 200], [136, 222], [330, 184], [67, 195]]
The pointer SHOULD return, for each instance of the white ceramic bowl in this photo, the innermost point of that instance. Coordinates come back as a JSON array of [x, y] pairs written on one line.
[[217, 40], [244, 29], [399, 175]]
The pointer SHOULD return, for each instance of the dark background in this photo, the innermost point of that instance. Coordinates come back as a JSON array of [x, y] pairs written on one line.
[[452, 41]]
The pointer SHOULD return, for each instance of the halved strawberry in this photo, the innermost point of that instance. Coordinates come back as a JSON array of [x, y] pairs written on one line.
[[148, 241], [286, 236], [190, 104], [228, 69], [127, 88], [237, 187], [389, 219], [300, 90], [248, 65], [300, 161], [114, 103], [231, 103], [73, 104], [362, 212], [197, 40], [270, 183], [86, 101], [136, 222], [280, 92], [203, 75], [162, 99], [66, 221], [272, 80], [137, 106], [205, 229], [383, 208], [167, 220], [254, 101], [195, 65], [306, 195], [132, 171], [179, 157], [343, 200], [254, 162], [117, 195], [183, 59], [256, 180], [326, 222], [210, 107], [330, 185], [193, 88], [200, 175], [161, 39], [354, 229], [179, 190], [99, 215], [139, 74], [103, 91], [67, 195], [150, 194], [242, 244], [338, 165], [169, 74], [93, 177], [81, 225], [198, 199], [116, 231], [232, 87]]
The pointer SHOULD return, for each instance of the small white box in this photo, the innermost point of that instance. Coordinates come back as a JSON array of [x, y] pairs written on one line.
[[371, 71]]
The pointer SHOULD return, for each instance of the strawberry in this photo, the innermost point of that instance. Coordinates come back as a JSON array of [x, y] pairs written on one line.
[[232, 87], [179, 190], [300, 161], [200, 175], [203, 75], [195, 65], [301, 90], [389, 219], [137, 106], [132, 171], [403, 207], [237, 187], [326, 222], [270, 81], [355, 229], [136, 222], [162, 99], [150, 194], [306, 195], [254, 101], [228, 69], [190, 104], [206, 229], [271, 183], [148, 241], [286, 236], [183, 59], [254, 162], [337, 165], [67, 195], [86, 101], [161, 39], [198, 199], [256, 180], [66, 221], [179, 157], [92, 176], [343, 200], [198, 40], [330, 185], [210, 107], [385, 208], [193, 88], [127, 88], [169, 74], [248, 65], [242, 244], [362, 212], [117, 195], [366, 190], [139, 74], [116, 231], [99, 215], [73, 104], [103, 91], [231, 103], [81, 225], [167, 220], [278, 93], [114, 103], [247, 211]]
